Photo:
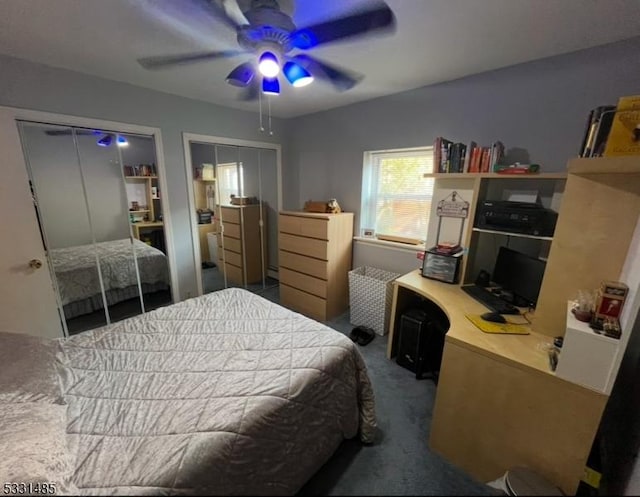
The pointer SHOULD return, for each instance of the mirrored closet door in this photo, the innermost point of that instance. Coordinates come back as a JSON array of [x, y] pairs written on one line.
[[235, 192], [100, 213]]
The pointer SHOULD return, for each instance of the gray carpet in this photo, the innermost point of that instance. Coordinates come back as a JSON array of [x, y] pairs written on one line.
[[399, 462]]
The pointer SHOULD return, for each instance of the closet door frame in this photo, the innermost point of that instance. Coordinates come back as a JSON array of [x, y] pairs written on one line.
[[187, 139], [84, 122]]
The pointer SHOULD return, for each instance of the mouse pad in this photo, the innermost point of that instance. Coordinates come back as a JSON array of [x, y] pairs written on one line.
[[504, 328]]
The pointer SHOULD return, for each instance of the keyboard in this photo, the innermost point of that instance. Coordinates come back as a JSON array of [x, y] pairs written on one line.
[[493, 302]]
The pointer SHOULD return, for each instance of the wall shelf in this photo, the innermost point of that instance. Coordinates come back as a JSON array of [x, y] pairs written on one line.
[[495, 176], [141, 177]]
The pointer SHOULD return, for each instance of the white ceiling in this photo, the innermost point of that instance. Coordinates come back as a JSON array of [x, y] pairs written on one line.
[[435, 41]]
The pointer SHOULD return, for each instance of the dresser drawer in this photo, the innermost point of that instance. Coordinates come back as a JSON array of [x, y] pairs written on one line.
[[233, 258], [303, 282], [304, 226], [309, 305], [232, 244], [303, 264], [232, 230], [234, 273], [230, 214], [305, 246]]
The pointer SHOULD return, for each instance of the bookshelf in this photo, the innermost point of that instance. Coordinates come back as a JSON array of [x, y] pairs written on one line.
[[142, 187], [479, 243], [595, 228]]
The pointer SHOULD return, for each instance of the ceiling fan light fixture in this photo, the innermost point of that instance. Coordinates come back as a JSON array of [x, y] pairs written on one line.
[[268, 65], [297, 75], [270, 86], [105, 141], [122, 141], [241, 76]]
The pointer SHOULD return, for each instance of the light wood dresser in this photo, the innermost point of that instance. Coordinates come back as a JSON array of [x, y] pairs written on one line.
[[315, 259], [244, 258]]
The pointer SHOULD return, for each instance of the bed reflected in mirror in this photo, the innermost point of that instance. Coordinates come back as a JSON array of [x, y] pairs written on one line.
[[101, 226]]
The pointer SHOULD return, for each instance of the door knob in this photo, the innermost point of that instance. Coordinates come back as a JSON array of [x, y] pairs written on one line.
[[35, 264]]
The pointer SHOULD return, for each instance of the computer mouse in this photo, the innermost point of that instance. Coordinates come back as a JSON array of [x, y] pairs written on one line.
[[494, 317]]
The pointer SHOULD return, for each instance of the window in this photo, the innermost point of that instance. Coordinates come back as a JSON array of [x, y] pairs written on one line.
[[230, 181], [396, 198]]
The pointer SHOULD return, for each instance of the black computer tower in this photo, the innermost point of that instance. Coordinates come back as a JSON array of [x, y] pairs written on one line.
[[420, 343]]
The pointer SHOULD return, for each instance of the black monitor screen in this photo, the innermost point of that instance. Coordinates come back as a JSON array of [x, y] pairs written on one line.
[[519, 273]]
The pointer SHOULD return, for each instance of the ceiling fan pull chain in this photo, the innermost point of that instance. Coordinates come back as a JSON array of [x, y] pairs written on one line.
[[260, 105], [270, 130]]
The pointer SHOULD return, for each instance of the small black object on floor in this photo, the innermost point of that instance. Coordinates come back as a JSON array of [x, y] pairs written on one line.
[[362, 335]]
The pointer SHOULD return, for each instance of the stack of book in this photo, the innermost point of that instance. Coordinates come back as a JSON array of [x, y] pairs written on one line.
[[613, 130], [451, 157], [447, 248], [140, 170], [597, 131]]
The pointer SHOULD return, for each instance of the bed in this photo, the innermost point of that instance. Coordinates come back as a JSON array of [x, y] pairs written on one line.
[[223, 394], [79, 283]]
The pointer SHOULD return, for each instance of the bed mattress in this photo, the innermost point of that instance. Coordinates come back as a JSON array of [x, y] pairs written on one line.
[[227, 393]]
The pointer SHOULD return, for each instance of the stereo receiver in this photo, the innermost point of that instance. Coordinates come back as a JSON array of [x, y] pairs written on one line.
[[516, 217]]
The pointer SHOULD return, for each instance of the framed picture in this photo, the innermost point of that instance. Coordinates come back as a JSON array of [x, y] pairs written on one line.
[[368, 233]]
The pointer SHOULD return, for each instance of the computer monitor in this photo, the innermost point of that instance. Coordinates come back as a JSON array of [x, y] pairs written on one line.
[[519, 274]]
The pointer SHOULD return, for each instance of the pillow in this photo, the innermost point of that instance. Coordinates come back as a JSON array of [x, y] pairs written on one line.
[[28, 369], [33, 447]]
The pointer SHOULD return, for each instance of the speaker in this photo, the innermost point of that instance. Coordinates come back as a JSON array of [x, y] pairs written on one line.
[[420, 343]]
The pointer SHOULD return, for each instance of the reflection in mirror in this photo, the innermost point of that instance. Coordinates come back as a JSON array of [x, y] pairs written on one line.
[[269, 198], [203, 158], [229, 179], [56, 179], [107, 204], [84, 213], [143, 203], [236, 198]]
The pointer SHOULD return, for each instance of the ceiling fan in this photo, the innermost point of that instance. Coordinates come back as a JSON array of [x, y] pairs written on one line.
[[104, 140], [270, 36]]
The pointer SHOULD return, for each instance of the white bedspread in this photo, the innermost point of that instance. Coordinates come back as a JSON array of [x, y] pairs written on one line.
[[77, 275], [223, 394]]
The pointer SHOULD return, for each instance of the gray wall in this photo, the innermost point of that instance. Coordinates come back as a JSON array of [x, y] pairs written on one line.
[[35, 86], [57, 177], [538, 109]]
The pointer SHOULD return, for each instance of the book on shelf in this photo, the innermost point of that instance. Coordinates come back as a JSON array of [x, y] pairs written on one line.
[[598, 125], [474, 164], [624, 135], [140, 170], [467, 156], [458, 157], [484, 161]]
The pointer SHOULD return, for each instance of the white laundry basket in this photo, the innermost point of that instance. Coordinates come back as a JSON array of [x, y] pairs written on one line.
[[370, 295]]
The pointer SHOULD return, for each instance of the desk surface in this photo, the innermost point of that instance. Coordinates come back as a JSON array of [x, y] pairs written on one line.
[[527, 350]]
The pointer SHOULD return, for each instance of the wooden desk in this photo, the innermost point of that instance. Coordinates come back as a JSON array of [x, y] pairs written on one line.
[[498, 404], [147, 225]]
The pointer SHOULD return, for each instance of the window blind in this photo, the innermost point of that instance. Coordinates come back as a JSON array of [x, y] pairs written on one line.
[[396, 196]]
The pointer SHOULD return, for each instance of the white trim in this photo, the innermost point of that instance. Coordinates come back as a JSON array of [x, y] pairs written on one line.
[[403, 247], [86, 122], [187, 139]]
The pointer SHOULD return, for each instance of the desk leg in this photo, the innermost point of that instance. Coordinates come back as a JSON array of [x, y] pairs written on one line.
[[392, 322]]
